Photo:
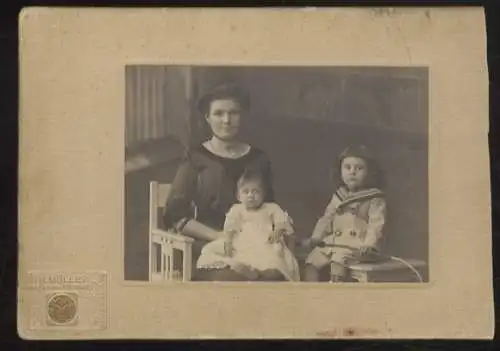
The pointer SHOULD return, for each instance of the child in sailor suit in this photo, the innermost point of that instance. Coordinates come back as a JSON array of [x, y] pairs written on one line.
[[353, 221]]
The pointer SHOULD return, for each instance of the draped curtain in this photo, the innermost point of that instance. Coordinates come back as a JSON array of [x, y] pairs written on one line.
[[157, 104]]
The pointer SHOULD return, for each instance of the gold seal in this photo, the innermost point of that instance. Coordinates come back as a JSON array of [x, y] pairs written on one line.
[[62, 308]]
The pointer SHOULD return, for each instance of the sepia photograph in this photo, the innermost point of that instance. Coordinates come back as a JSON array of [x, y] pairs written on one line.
[[254, 173], [276, 173]]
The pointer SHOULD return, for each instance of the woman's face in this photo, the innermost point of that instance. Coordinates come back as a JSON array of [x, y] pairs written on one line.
[[224, 118]]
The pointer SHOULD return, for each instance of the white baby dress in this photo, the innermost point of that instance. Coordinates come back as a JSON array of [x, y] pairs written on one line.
[[251, 245]]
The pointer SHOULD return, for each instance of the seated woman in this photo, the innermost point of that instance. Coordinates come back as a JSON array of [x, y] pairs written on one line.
[[204, 188]]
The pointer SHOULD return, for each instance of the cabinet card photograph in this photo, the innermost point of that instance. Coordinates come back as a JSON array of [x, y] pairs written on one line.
[[254, 173], [291, 174]]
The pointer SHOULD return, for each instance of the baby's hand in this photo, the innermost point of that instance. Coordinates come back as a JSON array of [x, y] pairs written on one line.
[[228, 248], [276, 236], [228, 244]]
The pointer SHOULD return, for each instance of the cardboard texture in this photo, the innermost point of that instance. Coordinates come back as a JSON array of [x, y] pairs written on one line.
[[71, 197]]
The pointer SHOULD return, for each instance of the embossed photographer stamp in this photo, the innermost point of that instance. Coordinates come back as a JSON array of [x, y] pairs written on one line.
[[62, 308], [65, 300]]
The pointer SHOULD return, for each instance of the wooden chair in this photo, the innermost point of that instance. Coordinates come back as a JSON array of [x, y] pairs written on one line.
[[164, 245]]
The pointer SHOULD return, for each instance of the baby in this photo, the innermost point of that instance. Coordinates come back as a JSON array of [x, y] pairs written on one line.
[[253, 242], [352, 224]]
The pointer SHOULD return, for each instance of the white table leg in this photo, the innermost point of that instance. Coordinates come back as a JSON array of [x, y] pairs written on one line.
[[187, 263]]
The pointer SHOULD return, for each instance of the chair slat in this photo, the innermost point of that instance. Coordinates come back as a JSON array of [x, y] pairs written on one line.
[[172, 236], [168, 241]]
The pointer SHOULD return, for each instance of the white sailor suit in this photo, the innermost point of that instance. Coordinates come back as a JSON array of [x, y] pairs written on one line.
[[351, 220]]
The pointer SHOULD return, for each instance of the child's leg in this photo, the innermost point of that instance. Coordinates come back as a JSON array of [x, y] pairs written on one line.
[[338, 272], [315, 262], [311, 273], [338, 268]]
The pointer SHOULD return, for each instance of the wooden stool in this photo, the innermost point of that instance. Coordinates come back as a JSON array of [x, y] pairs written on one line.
[[387, 271]]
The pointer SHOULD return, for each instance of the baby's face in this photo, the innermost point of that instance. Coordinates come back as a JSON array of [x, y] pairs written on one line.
[[354, 172], [251, 195]]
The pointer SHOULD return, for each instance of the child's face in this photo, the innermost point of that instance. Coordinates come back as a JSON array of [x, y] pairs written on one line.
[[354, 172], [251, 195]]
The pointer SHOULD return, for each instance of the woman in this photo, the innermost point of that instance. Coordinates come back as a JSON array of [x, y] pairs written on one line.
[[204, 188]]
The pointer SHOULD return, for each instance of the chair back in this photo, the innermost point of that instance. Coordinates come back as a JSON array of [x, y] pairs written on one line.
[[158, 194], [163, 243]]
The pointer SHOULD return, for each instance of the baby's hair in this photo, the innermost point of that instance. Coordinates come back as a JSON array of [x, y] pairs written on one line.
[[251, 176], [375, 178]]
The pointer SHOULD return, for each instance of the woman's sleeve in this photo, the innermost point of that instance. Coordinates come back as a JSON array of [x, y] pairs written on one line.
[[180, 201], [376, 221]]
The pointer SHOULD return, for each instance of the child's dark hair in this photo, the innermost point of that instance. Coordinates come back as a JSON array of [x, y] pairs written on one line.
[[375, 177], [251, 175]]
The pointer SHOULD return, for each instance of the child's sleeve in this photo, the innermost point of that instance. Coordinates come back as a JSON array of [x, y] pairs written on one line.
[[323, 226], [281, 220], [233, 219], [376, 221], [331, 209]]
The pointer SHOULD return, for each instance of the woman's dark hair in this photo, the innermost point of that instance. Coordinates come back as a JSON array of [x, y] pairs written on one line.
[[230, 91], [375, 178]]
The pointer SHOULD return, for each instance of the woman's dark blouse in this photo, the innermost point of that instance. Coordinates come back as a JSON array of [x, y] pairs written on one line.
[[208, 182]]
